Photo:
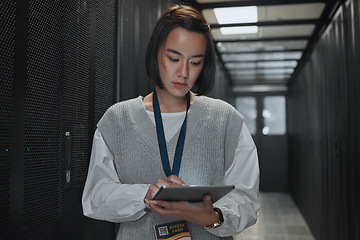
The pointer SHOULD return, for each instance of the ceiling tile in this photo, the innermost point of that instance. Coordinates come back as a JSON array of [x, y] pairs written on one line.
[[260, 46], [278, 12], [265, 32], [261, 56]]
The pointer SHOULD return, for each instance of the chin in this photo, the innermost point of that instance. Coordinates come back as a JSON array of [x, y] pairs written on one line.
[[181, 92], [177, 92]]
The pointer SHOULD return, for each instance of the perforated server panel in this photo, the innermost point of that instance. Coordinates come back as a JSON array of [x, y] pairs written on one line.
[[352, 10], [7, 45], [57, 75], [88, 90], [137, 19], [75, 115], [324, 130], [42, 120]]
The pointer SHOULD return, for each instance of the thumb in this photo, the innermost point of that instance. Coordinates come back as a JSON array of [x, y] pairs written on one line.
[[207, 201]]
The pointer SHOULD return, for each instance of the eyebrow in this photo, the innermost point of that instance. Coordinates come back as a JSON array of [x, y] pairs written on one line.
[[180, 54]]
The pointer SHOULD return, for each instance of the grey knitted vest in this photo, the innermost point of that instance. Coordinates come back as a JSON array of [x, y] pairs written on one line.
[[212, 132]]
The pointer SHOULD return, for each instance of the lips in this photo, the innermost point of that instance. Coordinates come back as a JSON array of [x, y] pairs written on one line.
[[179, 85]]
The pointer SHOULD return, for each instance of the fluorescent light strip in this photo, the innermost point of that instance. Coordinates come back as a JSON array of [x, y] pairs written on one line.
[[236, 14], [261, 88], [239, 30]]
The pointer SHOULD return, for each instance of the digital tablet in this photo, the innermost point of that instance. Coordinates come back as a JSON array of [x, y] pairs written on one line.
[[193, 193]]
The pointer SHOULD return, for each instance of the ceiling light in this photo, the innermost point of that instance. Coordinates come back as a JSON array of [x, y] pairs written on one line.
[[236, 14], [239, 30]]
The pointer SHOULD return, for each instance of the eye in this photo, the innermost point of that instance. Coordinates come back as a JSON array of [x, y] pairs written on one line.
[[173, 59], [195, 63]]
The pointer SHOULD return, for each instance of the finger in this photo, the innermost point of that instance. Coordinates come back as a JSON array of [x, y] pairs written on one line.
[[175, 179], [147, 199], [162, 182], [163, 208], [153, 190], [207, 201], [161, 204], [148, 195]]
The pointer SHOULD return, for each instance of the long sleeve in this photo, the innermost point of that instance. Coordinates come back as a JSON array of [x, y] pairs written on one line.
[[104, 196], [240, 206]]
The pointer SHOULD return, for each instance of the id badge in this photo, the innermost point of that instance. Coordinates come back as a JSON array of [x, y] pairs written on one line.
[[173, 231]]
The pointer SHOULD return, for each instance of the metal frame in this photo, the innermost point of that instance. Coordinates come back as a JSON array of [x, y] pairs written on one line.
[[320, 25], [254, 3]]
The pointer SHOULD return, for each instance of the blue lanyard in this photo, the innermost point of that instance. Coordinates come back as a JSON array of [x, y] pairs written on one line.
[[161, 138]]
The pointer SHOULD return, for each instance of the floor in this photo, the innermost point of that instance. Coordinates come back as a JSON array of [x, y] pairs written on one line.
[[278, 219]]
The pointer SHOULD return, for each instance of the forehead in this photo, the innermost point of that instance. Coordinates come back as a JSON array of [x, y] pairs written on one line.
[[185, 41]]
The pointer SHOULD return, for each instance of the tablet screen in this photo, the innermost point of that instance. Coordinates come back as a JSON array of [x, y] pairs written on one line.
[[193, 193]]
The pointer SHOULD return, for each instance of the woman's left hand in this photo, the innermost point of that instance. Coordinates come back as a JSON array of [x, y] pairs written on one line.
[[201, 213]]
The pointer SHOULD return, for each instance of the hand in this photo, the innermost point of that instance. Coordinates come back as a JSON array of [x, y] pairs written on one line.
[[168, 181], [201, 213]]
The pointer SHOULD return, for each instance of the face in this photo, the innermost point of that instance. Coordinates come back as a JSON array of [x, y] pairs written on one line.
[[181, 58]]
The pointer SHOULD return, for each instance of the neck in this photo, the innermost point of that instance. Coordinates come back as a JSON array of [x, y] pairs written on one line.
[[168, 103]]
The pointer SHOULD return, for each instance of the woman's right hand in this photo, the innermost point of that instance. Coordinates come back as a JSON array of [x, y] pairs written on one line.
[[172, 180], [201, 213]]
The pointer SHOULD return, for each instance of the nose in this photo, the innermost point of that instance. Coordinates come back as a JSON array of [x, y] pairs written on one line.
[[183, 70]]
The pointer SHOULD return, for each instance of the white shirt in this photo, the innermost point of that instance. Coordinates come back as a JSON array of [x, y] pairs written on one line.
[[172, 122], [106, 198]]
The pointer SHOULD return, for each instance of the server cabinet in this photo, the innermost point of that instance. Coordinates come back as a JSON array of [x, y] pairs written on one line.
[[56, 80], [324, 130]]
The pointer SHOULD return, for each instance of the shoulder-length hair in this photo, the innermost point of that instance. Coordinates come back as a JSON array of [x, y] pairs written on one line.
[[190, 19]]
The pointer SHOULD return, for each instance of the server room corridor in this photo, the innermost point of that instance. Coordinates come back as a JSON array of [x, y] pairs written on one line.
[[278, 218], [290, 67]]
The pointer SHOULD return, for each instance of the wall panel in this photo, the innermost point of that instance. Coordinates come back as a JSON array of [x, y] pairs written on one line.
[[42, 120], [136, 21], [222, 89], [353, 168], [57, 76], [88, 90], [105, 56], [147, 20], [104, 87], [322, 132], [75, 114], [7, 49], [129, 60]]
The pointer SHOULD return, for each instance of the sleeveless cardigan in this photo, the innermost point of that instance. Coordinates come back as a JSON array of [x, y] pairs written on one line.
[[213, 128]]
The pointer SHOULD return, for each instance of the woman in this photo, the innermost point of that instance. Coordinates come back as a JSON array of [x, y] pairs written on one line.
[[205, 140]]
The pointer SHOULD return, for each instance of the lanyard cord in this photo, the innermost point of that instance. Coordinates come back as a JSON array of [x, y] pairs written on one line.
[[161, 138]]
